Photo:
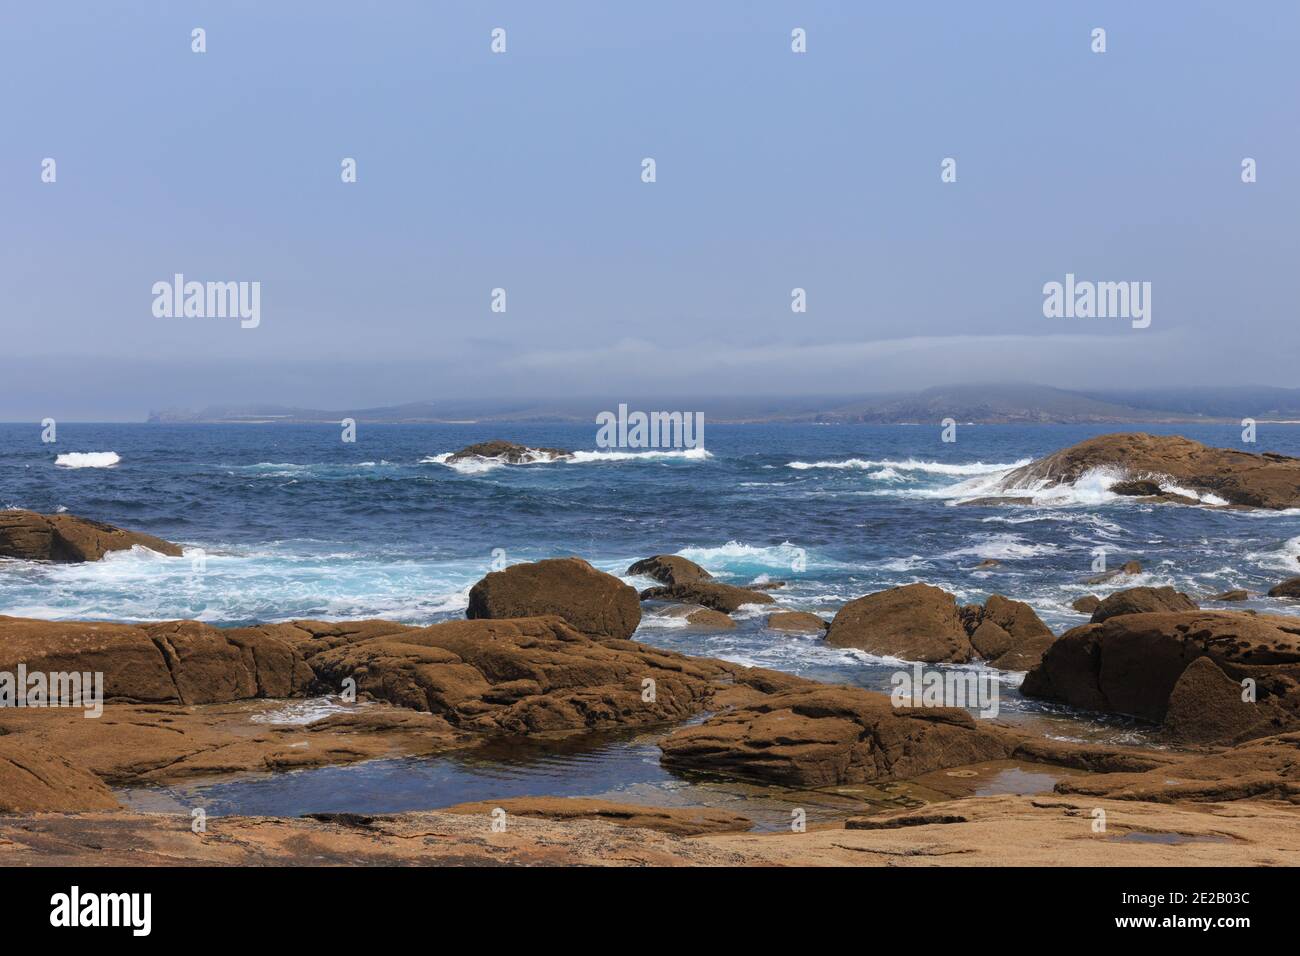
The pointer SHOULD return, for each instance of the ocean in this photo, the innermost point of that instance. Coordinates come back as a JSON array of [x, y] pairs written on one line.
[[293, 523]]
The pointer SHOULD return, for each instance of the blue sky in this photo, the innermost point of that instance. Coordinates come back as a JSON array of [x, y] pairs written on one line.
[[522, 171]]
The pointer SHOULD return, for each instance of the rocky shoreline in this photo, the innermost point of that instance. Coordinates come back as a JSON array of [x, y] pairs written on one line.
[[546, 650], [181, 698]]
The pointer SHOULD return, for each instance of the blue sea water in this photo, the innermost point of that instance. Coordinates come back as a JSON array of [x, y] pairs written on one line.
[[293, 522]]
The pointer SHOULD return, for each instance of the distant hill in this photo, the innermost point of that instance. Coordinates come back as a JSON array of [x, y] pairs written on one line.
[[987, 404]]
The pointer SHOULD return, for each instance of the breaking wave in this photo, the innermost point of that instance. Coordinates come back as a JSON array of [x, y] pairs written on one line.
[[88, 459]]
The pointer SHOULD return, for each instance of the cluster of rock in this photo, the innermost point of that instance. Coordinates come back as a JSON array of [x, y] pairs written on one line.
[[919, 622]]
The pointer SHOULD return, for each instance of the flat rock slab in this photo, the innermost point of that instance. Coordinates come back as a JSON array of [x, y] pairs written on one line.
[[65, 538]]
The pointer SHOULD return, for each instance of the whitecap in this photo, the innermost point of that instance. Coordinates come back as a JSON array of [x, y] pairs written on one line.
[[88, 459]]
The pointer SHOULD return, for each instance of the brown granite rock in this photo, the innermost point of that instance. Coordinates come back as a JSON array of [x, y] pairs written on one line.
[[66, 538], [919, 622], [800, 622], [1289, 588], [596, 603], [829, 735], [916, 622], [1086, 604], [1236, 594], [1241, 478], [1127, 568], [710, 594], [1142, 601], [1132, 664], [524, 676], [670, 569], [36, 779], [182, 662]]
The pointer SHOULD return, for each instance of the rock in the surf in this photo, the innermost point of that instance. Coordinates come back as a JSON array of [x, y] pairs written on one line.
[[720, 597], [1236, 594], [509, 452], [670, 569], [919, 622], [66, 538], [1289, 588], [596, 603], [798, 622], [1240, 478], [1142, 601], [1086, 604], [1134, 663]]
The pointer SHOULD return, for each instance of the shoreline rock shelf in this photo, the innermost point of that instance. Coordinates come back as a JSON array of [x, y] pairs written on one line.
[[67, 539]]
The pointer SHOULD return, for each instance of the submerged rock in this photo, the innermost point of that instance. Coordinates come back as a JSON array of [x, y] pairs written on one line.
[[592, 601], [670, 569], [1127, 568], [1239, 478], [1138, 664], [30, 536]]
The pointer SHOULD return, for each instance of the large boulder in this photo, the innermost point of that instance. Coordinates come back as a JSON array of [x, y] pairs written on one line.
[[596, 603], [918, 622], [509, 452], [720, 597], [1142, 601], [1140, 665], [67, 538], [831, 735], [183, 662], [915, 622], [1238, 477], [670, 569], [798, 622]]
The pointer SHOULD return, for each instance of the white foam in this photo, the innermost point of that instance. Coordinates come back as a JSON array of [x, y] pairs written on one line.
[[1004, 547], [685, 454], [910, 464], [88, 459], [780, 557]]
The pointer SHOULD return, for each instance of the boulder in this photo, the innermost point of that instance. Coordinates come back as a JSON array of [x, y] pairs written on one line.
[[919, 622], [1134, 664], [1236, 594], [509, 452], [670, 569], [701, 618], [799, 622], [66, 538], [1142, 601], [710, 594], [915, 622], [596, 603], [1086, 604], [831, 735], [1287, 589], [1238, 477]]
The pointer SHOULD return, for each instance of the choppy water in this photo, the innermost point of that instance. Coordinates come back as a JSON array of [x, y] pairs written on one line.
[[296, 523]]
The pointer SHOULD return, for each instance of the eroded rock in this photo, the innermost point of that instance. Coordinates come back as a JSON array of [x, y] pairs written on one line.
[[66, 538], [596, 603]]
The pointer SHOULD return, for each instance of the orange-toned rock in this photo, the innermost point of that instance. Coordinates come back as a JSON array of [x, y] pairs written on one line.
[[596, 603], [66, 538]]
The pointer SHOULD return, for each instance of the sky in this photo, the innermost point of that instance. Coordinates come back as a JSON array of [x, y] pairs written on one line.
[[522, 171]]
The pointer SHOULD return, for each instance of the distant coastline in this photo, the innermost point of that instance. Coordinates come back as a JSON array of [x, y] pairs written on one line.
[[965, 404]]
